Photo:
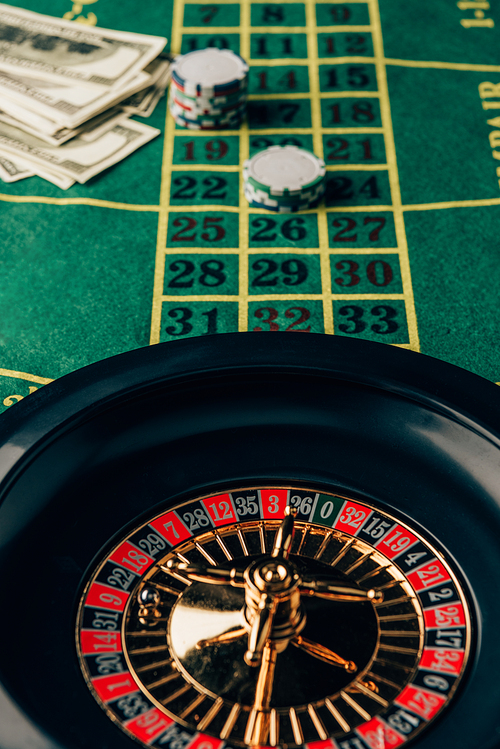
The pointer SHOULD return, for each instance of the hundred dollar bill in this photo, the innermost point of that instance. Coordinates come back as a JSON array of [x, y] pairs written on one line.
[[78, 159], [56, 178], [89, 130], [12, 172], [60, 50], [59, 104]]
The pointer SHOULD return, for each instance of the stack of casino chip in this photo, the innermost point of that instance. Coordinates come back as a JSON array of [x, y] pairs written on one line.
[[284, 179], [208, 90]]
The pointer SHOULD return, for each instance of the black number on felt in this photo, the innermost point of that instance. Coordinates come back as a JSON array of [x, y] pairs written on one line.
[[187, 268], [267, 225], [353, 313], [258, 112], [370, 188], [218, 41], [273, 13], [361, 112], [289, 111], [270, 267], [291, 229], [356, 77], [215, 41], [387, 323], [210, 269], [262, 45], [181, 315], [211, 316], [356, 45], [294, 271], [186, 191], [340, 188], [288, 140], [215, 184], [355, 324]]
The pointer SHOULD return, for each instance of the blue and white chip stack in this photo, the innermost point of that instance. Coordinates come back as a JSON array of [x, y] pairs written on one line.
[[284, 179], [208, 90]]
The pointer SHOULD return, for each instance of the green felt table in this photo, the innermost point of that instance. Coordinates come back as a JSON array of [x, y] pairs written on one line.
[[402, 100]]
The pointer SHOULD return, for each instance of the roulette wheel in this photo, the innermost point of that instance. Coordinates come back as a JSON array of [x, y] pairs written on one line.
[[246, 540]]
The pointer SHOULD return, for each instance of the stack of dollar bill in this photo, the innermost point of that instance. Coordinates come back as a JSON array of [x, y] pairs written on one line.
[[67, 93]]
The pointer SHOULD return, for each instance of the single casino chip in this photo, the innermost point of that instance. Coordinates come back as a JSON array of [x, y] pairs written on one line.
[[210, 71], [284, 170], [260, 196]]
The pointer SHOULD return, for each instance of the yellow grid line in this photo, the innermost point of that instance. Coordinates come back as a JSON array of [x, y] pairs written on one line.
[[297, 131], [390, 147], [312, 45], [205, 168], [358, 168], [282, 297], [24, 376], [186, 250], [361, 59], [323, 95], [79, 201], [428, 64], [166, 173], [244, 206]]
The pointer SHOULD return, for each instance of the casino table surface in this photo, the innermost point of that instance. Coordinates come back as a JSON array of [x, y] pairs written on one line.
[[401, 99]]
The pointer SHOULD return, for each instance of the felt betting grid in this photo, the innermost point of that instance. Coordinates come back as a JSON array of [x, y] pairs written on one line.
[[284, 272], [395, 99]]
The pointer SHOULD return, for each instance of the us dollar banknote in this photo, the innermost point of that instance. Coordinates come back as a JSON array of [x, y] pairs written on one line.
[[50, 106], [60, 50], [12, 172], [80, 158]]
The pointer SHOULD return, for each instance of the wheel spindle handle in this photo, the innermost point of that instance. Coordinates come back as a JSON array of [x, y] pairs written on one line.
[[261, 630]]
